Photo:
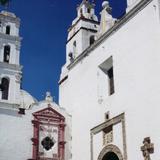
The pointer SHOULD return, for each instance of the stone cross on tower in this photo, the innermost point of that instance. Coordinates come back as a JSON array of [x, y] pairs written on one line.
[[49, 98], [147, 148]]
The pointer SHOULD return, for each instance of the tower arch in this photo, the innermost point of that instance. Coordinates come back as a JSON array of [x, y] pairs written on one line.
[[8, 29], [6, 55], [5, 87], [10, 56]]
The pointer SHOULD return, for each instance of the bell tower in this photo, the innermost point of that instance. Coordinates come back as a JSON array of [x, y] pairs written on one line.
[[10, 69], [81, 33]]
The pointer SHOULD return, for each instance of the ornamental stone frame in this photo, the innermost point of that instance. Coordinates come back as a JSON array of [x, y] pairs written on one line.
[[111, 122], [110, 148], [42, 117]]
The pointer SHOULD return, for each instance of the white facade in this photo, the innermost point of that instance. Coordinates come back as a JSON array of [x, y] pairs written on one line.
[[131, 47], [109, 86], [17, 131], [131, 4], [29, 130]]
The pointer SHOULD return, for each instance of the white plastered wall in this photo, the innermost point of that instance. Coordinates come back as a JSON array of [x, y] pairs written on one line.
[[17, 131], [135, 50]]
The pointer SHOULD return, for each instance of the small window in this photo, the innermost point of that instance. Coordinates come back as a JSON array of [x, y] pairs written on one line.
[[74, 47], [88, 10], [107, 68], [111, 81], [91, 40], [4, 88], [8, 29], [107, 116], [6, 54], [74, 44]]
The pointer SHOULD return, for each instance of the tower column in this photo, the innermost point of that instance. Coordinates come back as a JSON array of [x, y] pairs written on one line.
[[10, 69]]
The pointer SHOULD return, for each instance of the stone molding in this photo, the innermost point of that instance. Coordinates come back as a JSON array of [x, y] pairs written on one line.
[[81, 28], [9, 105], [110, 148], [84, 19], [10, 38], [11, 66], [6, 18], [111, 122]]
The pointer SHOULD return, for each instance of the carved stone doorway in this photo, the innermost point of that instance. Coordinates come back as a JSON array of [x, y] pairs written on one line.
[[110, 156], [110, 152]]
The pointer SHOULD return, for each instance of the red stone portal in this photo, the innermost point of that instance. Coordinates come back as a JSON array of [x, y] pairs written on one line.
[[48, 116]]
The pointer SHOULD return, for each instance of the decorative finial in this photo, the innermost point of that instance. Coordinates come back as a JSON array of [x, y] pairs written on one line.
[[49, 98]]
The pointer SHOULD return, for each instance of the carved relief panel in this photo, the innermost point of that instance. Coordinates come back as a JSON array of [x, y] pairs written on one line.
[[108, 135], [48, 141]]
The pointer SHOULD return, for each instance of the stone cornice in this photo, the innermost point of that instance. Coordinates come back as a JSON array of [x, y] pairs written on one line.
[[84, 19], [7, 18], [8, 105], [84, 28], [133, 12], [10, 66], [10, 37], [110, 122]]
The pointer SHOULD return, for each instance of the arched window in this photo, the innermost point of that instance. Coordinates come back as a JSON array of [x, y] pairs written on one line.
[[91, 40], [74, 47], [88, 10], [6, 53], [8, 29], [4, 88]]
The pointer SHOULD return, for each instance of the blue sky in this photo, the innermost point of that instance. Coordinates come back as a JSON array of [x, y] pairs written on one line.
[[44, 25]]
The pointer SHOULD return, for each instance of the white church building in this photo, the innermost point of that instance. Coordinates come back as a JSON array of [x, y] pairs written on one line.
[[109, 90], [30, 130]]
